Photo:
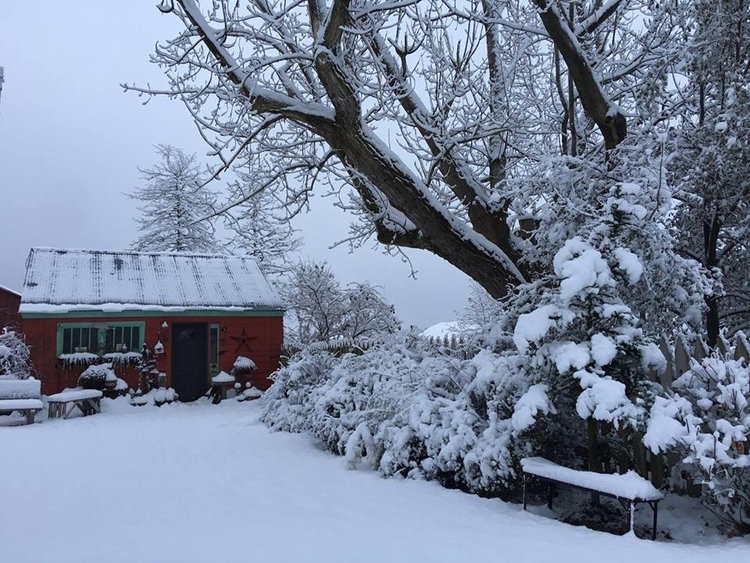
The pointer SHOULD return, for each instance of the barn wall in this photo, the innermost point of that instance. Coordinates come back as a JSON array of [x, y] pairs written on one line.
[[9, 302], [261, 342]]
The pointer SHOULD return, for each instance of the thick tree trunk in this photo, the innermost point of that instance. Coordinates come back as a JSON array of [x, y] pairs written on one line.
[[711, 229]]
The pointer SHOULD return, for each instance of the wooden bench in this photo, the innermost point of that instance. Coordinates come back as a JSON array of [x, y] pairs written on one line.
[[22, 396], [62, 405], [629, 489]]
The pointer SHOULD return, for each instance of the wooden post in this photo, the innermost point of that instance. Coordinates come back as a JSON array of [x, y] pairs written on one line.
[[740, 350], [595, 463], [549, 496], [657, 469], [639, 455]]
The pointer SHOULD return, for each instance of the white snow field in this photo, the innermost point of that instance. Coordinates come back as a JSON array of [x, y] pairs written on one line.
[[205, 483]]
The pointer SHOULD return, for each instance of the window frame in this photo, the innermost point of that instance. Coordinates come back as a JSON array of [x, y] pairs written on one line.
[[101, 329]]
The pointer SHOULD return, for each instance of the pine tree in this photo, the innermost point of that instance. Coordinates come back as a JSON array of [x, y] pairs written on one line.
[[174, 204]]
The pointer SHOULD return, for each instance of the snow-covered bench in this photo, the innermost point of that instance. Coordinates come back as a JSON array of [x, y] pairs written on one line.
[[629, 489], [62, 405], [21, 395]]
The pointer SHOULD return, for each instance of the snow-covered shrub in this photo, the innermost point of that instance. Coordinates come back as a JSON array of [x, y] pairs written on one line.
[[243, 368], [15, 360], [250, 393], [707, 418], [148, 375], [155, 397], [405, 409], [289, 401], [98, 377]]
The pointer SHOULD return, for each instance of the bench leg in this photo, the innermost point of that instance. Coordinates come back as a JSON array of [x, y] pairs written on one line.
[[631, 516], [549, 496], [655, 508], [524, 491]]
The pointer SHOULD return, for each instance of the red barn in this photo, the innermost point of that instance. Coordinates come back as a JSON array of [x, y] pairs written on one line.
[[197, 312], [9, 302]]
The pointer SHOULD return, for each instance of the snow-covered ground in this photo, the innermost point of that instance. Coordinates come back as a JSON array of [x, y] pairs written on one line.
[[205, 483]]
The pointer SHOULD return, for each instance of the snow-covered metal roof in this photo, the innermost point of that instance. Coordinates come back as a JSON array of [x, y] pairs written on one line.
[[67, 280]]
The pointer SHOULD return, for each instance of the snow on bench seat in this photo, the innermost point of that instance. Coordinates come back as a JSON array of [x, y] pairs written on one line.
[[629, 486], [27, 407], [67, 396], [20, 388], [20, 404]]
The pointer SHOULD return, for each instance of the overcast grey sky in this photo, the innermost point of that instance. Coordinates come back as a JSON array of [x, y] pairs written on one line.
[[71, 142]]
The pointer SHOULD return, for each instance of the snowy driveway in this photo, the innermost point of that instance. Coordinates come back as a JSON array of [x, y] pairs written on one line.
[[211, 484]]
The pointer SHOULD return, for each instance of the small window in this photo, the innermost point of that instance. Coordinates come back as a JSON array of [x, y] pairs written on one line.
[[123, 339], [99, 338], [79, 339]]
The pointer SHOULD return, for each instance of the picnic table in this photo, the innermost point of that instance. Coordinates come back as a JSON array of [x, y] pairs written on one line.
[[62, 405], [22, 396], [629, 489]]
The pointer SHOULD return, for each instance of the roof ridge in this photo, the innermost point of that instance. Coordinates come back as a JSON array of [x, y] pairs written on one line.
[[141, 253]]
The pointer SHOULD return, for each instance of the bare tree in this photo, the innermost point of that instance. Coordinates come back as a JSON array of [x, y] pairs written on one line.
[[425, 109], [322, 310], [710, 161], [259, 225]]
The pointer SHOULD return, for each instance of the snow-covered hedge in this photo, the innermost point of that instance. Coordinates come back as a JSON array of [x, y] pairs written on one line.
[[707, 418], [405, 410]]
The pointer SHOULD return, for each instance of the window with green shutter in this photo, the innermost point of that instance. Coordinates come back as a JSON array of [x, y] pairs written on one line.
[[99, 338]]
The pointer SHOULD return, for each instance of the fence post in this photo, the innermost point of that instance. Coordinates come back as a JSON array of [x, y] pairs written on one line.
[[668, 375], [681, 356], [740, 347]]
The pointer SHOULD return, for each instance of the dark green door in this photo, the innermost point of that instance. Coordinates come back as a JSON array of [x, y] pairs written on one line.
[[189, 360]]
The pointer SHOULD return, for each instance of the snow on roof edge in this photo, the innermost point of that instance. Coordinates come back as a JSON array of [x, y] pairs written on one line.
[[9, 290], [127, 307]]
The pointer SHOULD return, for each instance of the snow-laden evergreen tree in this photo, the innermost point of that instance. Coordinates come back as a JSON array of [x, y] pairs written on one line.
[[175, 206], [584, 341], [322, 310]]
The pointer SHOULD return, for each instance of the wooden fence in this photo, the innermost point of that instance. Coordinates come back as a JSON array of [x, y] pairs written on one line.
[[679, 356]]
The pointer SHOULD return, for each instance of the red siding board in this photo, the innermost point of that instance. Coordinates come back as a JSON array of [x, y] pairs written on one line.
[[9, 303], [262, 342]]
